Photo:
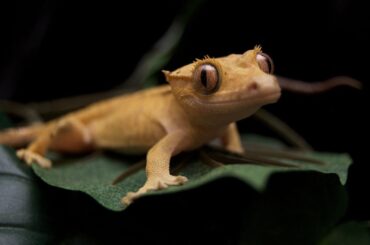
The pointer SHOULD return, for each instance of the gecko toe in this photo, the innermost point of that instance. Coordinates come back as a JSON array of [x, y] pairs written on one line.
[[130, 197], [161, 185], [181, 179], [30, 157], [127, 200]]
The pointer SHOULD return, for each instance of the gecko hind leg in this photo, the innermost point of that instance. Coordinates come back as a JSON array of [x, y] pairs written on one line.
[[68, 135], [71, 136]]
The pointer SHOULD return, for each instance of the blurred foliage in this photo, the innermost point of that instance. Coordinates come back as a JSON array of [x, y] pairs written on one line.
[[357, 233]]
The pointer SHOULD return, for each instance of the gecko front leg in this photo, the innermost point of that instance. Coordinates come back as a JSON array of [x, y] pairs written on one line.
[[231, 139], [158, 166]]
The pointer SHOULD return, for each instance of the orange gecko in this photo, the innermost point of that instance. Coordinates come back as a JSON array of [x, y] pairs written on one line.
[[201, 103]]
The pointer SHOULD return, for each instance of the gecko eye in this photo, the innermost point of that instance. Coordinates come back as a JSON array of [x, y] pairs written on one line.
[[207, 77], [265, 63]]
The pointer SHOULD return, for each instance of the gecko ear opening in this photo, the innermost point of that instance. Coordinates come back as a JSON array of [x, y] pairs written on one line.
[[167, 75]]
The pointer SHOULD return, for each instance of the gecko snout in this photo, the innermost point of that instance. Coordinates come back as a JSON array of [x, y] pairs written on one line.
[[265, 87], [253, 87]]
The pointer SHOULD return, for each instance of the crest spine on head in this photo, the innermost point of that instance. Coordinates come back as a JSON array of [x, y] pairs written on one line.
[[258, 48], [205, 60]]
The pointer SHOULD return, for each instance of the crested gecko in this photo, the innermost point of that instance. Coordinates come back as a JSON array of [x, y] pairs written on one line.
[[201, 102]]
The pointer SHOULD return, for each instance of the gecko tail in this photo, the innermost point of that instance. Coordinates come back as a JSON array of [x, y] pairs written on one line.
[[18, 137], [317, 87]]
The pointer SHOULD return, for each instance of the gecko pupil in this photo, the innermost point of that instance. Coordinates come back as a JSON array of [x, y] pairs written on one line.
[[203, 77]]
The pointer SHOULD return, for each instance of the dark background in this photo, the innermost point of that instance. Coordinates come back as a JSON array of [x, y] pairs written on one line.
[[54, 49]]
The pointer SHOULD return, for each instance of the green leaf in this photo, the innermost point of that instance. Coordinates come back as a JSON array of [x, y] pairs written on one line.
[[94, 174], [352, 233]]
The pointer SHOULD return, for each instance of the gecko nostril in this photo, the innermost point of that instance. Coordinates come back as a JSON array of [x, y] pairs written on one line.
[[253, 87]]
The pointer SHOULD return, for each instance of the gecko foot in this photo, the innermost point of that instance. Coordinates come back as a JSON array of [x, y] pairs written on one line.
[[32, 157], [154, 183]]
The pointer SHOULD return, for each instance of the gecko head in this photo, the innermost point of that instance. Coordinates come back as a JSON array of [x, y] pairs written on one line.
[[234, 86]]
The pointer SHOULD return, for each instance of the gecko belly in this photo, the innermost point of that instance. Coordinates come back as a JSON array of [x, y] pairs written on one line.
[[127, 136]]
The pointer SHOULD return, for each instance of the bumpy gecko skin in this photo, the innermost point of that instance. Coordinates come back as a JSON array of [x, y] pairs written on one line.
[[201, 103]]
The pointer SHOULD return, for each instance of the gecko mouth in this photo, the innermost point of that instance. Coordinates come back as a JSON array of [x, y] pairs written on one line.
[[258, 99], [267, 99]]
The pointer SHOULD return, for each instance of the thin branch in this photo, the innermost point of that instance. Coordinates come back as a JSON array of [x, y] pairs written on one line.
[[206, 159], [64, 105], [29, 115], [284, 153], [185, 159], [129, 171], [283, 130], [226, 157], [299, 86]]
